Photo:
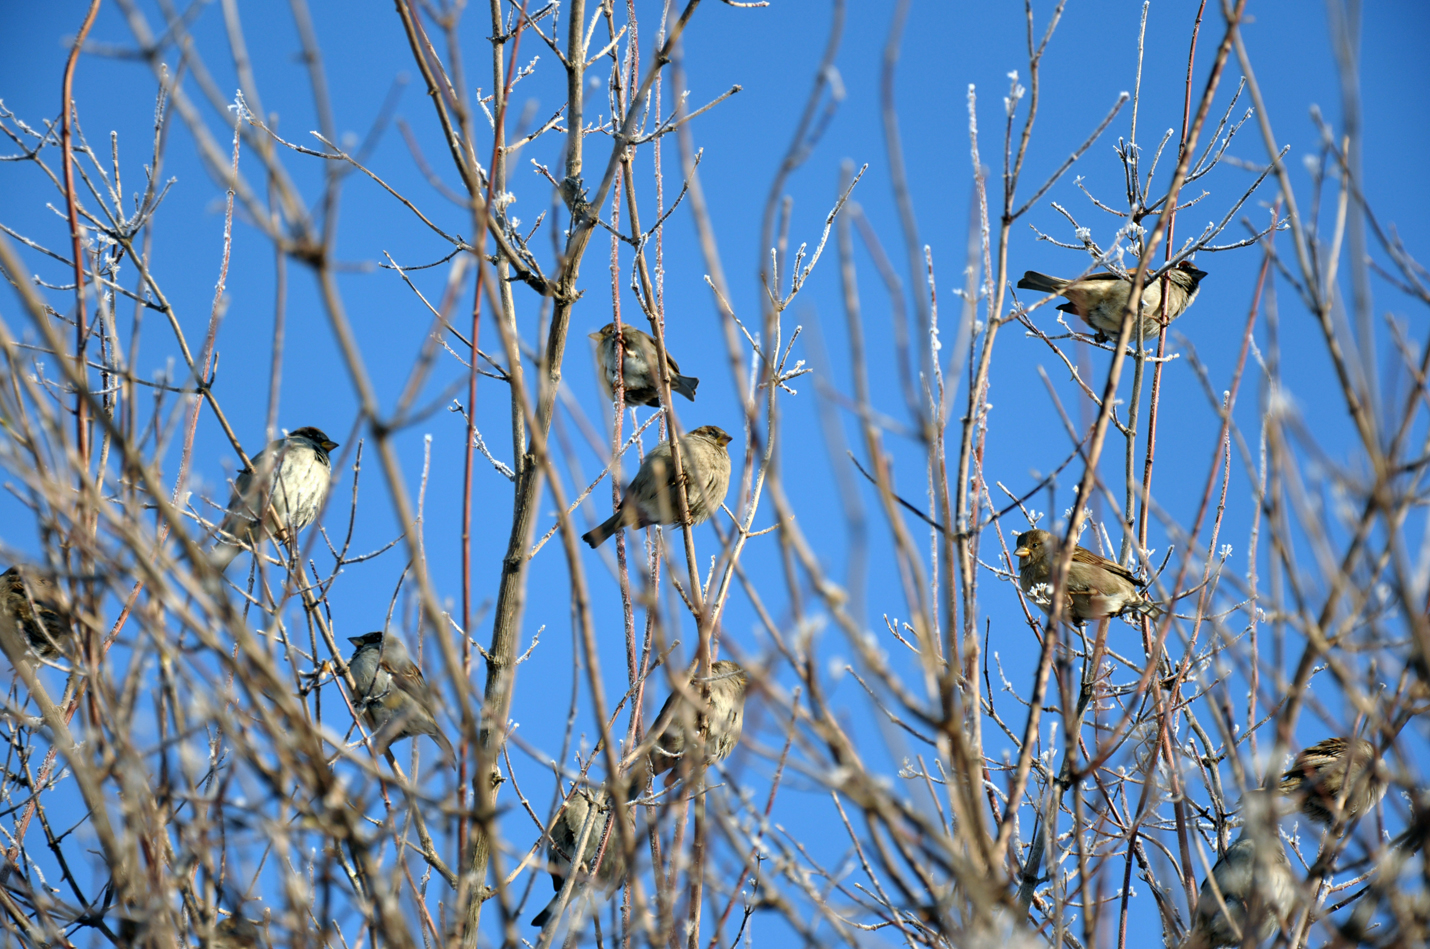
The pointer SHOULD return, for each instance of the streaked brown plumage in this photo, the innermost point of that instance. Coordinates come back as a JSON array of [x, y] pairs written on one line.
[[1097, 587], [1100, 298], [565, 833], [1252, 879], [724, 692], [237, 932], [279, 496], [652, 497], [392, 693], [638, 365], [1317, 777], [724, 709], [34, 601]]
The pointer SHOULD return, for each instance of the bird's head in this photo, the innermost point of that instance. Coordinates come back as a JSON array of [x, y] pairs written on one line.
[[1032, 546], [38, 582], [316, 436], [1190, 269], [727, 669], [366, 639], [604, 333], [714, 433]]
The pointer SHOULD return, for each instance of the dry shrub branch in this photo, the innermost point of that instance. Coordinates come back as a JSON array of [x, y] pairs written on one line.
[[1056, 733]]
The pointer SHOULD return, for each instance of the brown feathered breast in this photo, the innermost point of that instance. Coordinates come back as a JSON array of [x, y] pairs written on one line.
[[34, 601], [1256, 886], [638, 358], [1096, 587], [653, 498], [1101, 298], [724, 697], [1320, 773], [602, 852]]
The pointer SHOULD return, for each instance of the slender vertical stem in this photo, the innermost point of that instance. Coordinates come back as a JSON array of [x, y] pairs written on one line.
[[1155, 401], [81, 318], [280, 322]]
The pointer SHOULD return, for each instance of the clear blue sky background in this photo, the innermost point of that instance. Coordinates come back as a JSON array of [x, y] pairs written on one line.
[[771, 53]]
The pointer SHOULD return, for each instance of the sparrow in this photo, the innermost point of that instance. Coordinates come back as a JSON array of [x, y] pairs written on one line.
[[1318, 776], [638, 365], [278, 496], [236, 932], [33, 601], [565, 833], [1097, 587], [652, 498], [1100, 298], [392, 694], [724, 710], [1249, 878]]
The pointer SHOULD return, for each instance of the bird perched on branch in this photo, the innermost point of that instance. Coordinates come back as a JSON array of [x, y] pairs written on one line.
[[652, 497], [391, 692], [33, 600], [237, 932], [639, 361], [278, 496], [1254, 880], [1101, 298], [723, 695], [602, 854], [1323, 771], [1096, 587]]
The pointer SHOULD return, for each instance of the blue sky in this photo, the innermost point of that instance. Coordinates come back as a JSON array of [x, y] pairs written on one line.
[[772, 54]]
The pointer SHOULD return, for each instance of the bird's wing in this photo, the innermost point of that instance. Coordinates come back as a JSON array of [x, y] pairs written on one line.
[[253, 487], [242, 487], [1327, 747], [1100, 276], [1083, 555], [1293, 777], [670, 744], [411, 681]]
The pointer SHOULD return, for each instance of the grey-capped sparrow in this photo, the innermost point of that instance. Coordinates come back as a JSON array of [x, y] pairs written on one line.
[[1319, 774], [392, 693], [724, 696], [638, 365], [1100, 298], [652, 497], [1097, 587], [279, 495], [565, 834], [32, 599], [1254, 879]]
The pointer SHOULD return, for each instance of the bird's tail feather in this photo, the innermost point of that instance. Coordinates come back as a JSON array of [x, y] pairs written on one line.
[[685, 385], [448, 752], [1149, 608], [603, 531], [1032, 280], [541, 918]]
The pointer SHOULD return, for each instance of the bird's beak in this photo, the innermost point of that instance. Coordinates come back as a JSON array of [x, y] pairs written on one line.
[[329, 445], [1198, 274], [596, 336], [1022, 552], [725, 440], [355, 640]]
